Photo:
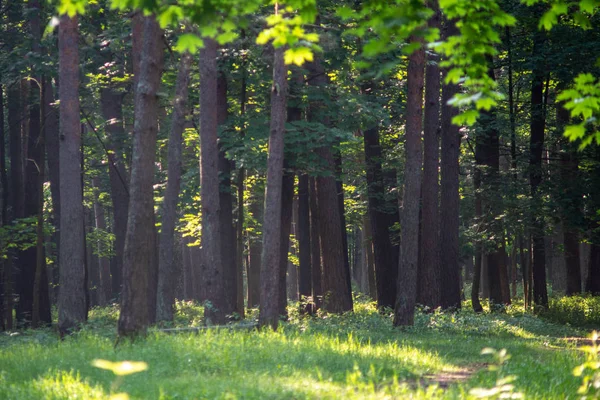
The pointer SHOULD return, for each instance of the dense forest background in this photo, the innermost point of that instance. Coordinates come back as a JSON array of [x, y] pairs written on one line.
[[242, 155]]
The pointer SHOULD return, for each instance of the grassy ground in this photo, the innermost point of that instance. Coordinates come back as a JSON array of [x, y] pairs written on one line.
[[358, 355]]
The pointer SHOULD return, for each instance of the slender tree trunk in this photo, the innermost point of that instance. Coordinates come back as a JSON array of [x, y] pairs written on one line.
[[382, 216], [168, 271], [428, 277], [270, 292], [4, 266], [241, 178], [111, 102], [72, 305], [449, 197], [315, 246], [572, 212], [255, 251], [35, 166], [450, 142], [337, 296], [540, 295], [214, 275], [51, 126], [404, 310], [304, 245], [140, 243], [478, 245], [287, 201], [337, 159], [592, 284], [105, 288], [228, 239]]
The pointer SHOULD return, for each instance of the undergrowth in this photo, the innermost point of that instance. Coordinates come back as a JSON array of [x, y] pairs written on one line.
[[355, 355]]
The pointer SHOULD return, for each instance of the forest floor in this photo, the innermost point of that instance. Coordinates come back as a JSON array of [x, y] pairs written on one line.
[[358, 355]]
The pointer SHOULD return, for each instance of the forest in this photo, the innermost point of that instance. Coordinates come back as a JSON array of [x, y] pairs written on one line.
[[299, 199]]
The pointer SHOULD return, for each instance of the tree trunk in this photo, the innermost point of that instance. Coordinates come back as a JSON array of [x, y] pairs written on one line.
[[304, 245], [111, 102], [255, 250], [140, 242], [104, 293], [449, 197], [270, 292], [478, 245], [287, 201], [337, 296], [592, 284], [382, 215], [168, 270], [404, 310], [35, 177], [540, 295], [72, 304], [315, 246], [214, 275], [228, 239], [428, 276], [52, 129]]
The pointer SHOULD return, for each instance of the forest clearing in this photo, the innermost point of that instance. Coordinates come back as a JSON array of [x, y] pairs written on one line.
[[299, 199]]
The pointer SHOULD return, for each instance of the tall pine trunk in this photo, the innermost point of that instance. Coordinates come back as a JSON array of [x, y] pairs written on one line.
[[304, 245], [111, 102], [72, 303], [404, 310], [140, 243], [449, 197], [228, 239], [271, 255], [168, 271], [429, 283], [337, 296], [536, 146], [217, 305]]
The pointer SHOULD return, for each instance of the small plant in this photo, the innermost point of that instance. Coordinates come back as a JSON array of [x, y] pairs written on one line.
[[590, 370], [120, 369], [504, 389]]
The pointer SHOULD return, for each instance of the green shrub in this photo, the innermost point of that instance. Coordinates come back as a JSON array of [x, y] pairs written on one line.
[[582, 310]]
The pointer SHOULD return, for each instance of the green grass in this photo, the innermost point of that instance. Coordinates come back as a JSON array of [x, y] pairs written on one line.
[[357, 355], [582, 310]]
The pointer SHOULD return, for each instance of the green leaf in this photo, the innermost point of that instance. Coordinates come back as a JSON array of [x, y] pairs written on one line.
[[466, 118], [298, 55], [189, 42]]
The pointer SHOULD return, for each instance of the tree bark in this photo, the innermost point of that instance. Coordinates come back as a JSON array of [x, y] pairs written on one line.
[[228, 239], [404, 310], [287, 201], [315, 246], [111, 102], [337, 295], [449, 197], [217, 306], [428, 281], [255, 250], [52, 155], [304, 245], [104, 294], [592, 284], [168, 271], [271, 255], [140, 243], [382, 216], [72, 304], [536, 145]]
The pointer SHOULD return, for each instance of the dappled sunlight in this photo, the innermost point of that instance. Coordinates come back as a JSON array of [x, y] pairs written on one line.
[[53, 385]]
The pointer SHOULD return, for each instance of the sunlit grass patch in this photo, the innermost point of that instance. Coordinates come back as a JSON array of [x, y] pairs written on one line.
[[352, 356]]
